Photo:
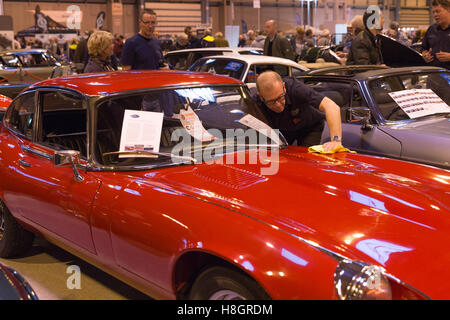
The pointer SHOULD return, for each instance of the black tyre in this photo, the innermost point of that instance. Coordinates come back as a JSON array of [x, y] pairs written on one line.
[[219, 283], [14, 240]]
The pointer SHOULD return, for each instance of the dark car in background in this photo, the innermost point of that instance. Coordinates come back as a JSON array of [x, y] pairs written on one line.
[[19, 68], [374, 123], [12, 285]]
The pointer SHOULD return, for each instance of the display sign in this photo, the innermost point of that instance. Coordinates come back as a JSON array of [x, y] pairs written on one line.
[[419, 102], [141, 131], [194, 127]]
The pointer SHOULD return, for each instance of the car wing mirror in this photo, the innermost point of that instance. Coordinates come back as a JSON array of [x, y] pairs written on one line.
[[68, 158], [360, 115]]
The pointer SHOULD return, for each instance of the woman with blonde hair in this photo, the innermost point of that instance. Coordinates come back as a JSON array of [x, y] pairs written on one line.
[[100, 48]]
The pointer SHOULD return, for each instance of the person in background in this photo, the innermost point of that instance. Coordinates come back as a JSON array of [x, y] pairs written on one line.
[[208, 40], [16, 44], [251, 36], [194, 42], [436, 43], [259, 40], [181, 43], [143, 51], [324, 38], [72, 48], [220, 40], [395, 33], [276, 45], [100, 48], [118, 46], [364, 48], [309, 39], [242, 40], [298, 42], [81, 55]]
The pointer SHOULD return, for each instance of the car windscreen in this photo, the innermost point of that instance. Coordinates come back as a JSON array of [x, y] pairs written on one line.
[[224, 67], [251, 52], [38, 59], [182, 123], [409, 96]]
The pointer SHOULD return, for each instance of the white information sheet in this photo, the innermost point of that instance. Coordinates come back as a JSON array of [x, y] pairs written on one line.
[[193, 126], [251, 122], [141, 131], [419, 102]]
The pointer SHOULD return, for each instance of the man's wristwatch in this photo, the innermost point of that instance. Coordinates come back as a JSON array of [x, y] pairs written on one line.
[[336, 138]]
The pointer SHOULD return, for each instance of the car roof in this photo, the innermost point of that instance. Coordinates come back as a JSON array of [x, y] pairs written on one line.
[[112, 82], [35, 50], [393, 71], [364, 72], [258, 59], [229, 49]]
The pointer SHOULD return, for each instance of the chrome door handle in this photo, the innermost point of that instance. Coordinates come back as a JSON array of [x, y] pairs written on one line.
[[24, 163]]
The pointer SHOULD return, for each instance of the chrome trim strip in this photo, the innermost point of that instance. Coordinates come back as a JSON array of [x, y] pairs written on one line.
[[37, 152]]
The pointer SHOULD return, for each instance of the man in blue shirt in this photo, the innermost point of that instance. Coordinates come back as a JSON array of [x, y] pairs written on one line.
[[142, 51], [436, 42]]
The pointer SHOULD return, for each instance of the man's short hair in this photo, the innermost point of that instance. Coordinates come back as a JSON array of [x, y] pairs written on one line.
[[146, 11], [266, 79], [443, 3], [394, 25]]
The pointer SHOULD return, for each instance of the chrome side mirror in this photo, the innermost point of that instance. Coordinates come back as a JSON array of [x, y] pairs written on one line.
[[360, 115], [68, 158]]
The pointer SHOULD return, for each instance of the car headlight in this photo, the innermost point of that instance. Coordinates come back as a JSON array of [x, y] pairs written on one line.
[[359, 281]]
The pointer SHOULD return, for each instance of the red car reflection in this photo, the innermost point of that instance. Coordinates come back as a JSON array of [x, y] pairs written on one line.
[[174, 225]]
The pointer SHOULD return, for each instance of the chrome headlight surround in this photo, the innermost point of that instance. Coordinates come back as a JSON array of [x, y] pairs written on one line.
[[360, 281]]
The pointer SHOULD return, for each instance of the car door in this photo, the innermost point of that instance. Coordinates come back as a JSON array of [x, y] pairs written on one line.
[[36, 67], [10, 71], [355, 134], [48, 196]]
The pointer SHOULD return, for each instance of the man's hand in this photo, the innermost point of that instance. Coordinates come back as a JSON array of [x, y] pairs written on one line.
[[331, 145], [426, 54], [443, 56], [165, 67]]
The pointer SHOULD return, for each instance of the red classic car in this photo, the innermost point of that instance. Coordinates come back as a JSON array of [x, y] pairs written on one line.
[[105, 166], [4, 104]]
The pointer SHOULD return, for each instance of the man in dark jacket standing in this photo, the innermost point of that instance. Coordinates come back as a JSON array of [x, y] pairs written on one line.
[[275, 45], [436, 42], [364, 48]]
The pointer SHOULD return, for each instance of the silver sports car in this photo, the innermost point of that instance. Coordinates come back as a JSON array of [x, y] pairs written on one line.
[[400, 113]]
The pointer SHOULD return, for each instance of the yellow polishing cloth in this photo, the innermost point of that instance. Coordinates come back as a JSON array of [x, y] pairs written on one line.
[[319, 149]]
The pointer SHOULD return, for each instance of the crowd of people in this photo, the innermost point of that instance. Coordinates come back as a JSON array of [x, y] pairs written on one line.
[[358, 46]]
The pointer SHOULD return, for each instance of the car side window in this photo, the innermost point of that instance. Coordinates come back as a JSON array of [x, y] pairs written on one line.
[[178, 61], [34, 60], [10, 61], [344, 94], [22, 115], [63, 121], [280, 69], [297, 72]]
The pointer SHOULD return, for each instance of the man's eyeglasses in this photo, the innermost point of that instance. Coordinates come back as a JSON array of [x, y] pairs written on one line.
[[149, 22], [276, 100]]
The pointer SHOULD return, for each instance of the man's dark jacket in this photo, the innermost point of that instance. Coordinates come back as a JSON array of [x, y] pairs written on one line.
[[281, 47], [364, 49]]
